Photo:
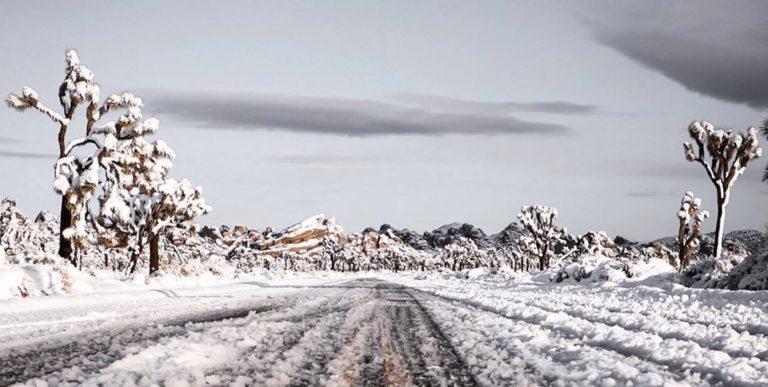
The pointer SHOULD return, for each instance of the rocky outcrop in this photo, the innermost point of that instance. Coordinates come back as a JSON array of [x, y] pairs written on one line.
[[451, 233], [409, 237], [21, 237], [509, 235], [306, 237]]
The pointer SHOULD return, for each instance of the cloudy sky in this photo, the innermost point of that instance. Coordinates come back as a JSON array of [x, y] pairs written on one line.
[[410, 113]]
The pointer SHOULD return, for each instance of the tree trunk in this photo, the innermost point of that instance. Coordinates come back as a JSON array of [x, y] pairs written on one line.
[[65, 245], [135, 260], [154, 253], [722, 203], [682, 247], [136, 254]]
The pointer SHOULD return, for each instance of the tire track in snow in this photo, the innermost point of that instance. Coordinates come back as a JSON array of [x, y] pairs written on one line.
[[85, 355], [726, 316], [672, 354], [289, 351], [521, 353], [744, 346], [93, 352], [367, 333], [384, 342]]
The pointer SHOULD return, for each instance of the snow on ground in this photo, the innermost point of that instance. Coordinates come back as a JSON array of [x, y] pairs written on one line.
[[395, 329], [119, 303], [604, 333]]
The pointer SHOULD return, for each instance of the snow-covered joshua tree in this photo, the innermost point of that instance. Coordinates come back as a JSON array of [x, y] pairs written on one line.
[[126, 179], [690, 216], [539, 220], [725, 159], [139, 196], [77, 89], [764, 131]]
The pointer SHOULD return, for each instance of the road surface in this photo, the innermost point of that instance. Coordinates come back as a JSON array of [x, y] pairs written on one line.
[[403, 330], [364, 332]]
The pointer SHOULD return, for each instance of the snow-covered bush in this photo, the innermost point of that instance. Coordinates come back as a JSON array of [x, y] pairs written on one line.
[[510, 257], [593, 268], [596, 243], [751, 273], [710, 272], [729, 154], [735, 272], [596, 268], [690, 217], [462, 254]]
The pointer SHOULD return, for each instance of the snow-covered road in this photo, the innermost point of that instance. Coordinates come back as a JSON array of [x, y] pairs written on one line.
[[356, 332], [392, 330]]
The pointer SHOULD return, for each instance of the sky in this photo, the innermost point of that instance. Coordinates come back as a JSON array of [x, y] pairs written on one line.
[[415, 114]]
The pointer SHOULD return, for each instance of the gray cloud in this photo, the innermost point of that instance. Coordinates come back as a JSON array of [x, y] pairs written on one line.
[[326, 159], [556, 107], [351, 117], [8, 140], [650, 194], [719, 49], [26, 155]]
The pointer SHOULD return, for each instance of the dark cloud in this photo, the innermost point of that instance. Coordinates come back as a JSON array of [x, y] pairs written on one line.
[[351, 117], [433, 101], [26, 155], [716, 48]]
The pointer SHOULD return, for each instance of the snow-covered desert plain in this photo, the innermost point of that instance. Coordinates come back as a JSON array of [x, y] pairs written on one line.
[[471, 328]]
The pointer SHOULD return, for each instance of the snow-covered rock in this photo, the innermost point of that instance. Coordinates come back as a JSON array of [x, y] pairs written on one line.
[[305, 237]]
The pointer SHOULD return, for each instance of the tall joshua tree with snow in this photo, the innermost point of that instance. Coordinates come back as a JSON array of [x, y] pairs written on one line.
[[77, 89], [724, 156], [539, 220], [764, 130], [123, 190], [690, 216]]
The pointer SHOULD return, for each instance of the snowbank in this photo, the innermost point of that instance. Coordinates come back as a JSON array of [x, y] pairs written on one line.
[[44, 277], [594, 268]]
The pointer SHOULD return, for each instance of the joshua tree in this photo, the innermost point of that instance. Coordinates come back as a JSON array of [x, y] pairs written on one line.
[[77, 89], [126, 178], [140, 199], [764, 130], [539, 221], [725, 159], [688, 236]]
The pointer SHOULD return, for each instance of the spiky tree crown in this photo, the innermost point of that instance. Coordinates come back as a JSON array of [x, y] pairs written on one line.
[[729, 152]]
